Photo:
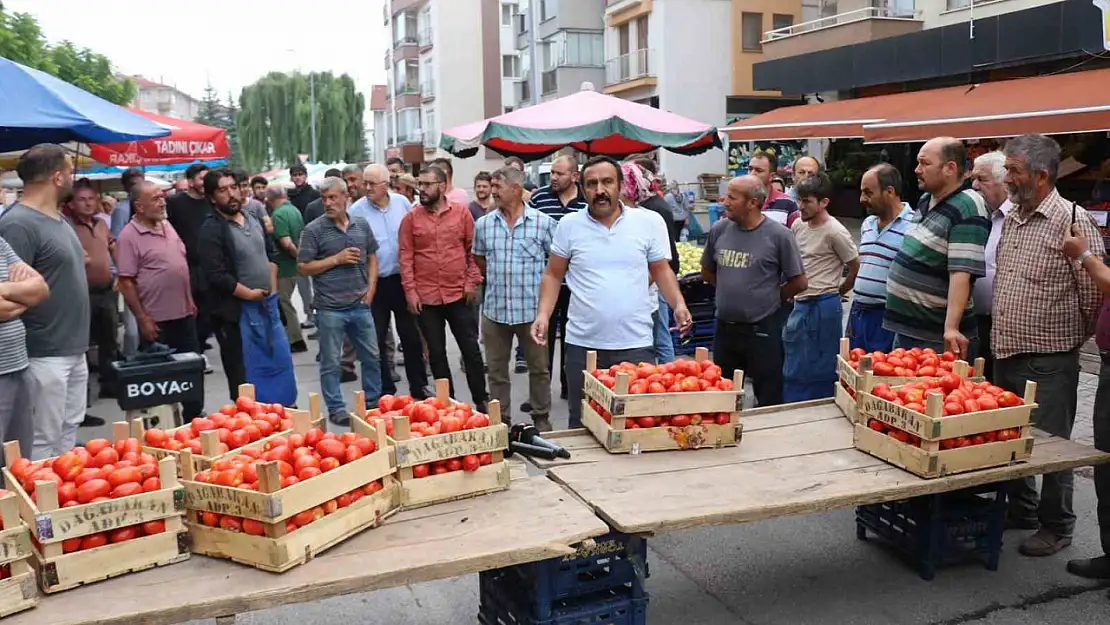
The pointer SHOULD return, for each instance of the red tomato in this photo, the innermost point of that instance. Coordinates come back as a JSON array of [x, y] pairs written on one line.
[[288, 481], [313, 436], [646, 422], [330, 506], [86, 475], [366, 446], [264, 426], [252, 527], [308, 473], [470, 463], [92, 541], [231, 523], [486, 458], [971, 405], [680, 420], [70, 545], [454, 464], [68, 466], [201, 424], [343, 500], [125, 475], [331, 448], [329, 463], [353, 453], [476, 421], [95, 445], [151, 528], [385, 403], [1006, 399], [304, 518], [105, 456], [123, 534], [126, 490], [246, 404], [92, 489], [952, 408], [237, 439], [211, 519], [420, 470], [285, 469], [151, 484]]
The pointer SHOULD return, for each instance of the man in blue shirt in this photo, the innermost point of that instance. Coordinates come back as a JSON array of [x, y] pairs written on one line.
[[607, 254], [383, 210]]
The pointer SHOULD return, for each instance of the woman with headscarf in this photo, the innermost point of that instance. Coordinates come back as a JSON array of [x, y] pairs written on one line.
[[677, 203], [638, 189]]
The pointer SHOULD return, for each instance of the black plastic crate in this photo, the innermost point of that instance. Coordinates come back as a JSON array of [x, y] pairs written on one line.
[[933, 530], [501, 606]]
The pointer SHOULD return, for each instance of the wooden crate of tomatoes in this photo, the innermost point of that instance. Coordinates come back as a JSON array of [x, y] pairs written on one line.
[[281, 501], [942, 426], [445, 449], [17, 577], [226, 431], [683, 404], [899, 367], [100, 510]]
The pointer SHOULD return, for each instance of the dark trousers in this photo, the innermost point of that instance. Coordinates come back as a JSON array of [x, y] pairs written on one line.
[[1057, 378], [231, 353], [559, 321], [756, 349], [103, 325], [389, 299], [433, 321], [181, 336], [204, 321], [1102, 443], [576, 364], [985, 324]]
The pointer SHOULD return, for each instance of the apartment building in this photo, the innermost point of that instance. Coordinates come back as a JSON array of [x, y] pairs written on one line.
[[446, 62], [570, 48], [154, 97]]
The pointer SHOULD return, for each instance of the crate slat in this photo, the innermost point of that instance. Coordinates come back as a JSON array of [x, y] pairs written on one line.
[[933, 464], [932, 426], [18, 592], [68, 571], [619, 440]]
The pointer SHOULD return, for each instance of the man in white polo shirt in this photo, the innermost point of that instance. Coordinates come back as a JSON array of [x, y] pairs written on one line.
[[608, 254]]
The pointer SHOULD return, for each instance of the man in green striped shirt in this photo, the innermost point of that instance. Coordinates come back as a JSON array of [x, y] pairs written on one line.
[[928, 301]]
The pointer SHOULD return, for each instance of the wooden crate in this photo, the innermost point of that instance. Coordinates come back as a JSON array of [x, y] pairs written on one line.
[[17, 592], [846, 402], [620, 404], [50, 525], [854, 378], [617, 439], [416, 492], [209, 441], [933, 464]]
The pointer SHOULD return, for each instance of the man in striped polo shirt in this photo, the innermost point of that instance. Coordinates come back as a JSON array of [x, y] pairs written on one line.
[[880, 241], [928, 300]]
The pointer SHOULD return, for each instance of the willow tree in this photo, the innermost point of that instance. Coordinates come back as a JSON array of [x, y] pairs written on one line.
[[275, 120]]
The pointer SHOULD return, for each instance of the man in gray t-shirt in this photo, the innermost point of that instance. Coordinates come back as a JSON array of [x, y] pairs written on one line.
[[749, 257], [249, 242]]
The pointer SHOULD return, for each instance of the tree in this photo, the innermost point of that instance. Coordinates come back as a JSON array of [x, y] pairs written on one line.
[[211, 111], [22, 41], [234, 159], [275, 121]]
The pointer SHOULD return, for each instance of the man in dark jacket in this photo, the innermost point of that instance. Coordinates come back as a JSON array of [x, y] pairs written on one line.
[[302, 193], [239, 263]]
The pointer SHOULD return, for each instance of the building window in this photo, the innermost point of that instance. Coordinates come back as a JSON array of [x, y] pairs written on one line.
[[408, 125], [779, 20], [548, 9], [431, 131], [576, 48], [962, 4], [404, 28], [642, 32], [811, 10], [508, 11], [623, 45], [510, 66], [751, 32]]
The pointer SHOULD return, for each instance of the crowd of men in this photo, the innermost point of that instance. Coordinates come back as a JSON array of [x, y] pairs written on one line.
[[992, 261]]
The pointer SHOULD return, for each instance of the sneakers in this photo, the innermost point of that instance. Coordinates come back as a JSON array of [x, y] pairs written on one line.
[[521, 366], [526, 407], [1091, 568], [1043, 543], [341, 419]]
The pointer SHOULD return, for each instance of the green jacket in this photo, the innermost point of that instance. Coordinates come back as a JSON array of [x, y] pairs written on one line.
[[287, 223]]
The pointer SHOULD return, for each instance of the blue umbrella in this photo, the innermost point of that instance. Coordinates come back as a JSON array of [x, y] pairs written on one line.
[[36, 107]]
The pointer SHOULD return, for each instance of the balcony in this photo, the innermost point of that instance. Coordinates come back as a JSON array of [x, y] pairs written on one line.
[[843, 29], [414, 135], [408, 87], [549, 82], [427, 89], [629, 70], [524, 90], [431, 140], [425, 38]]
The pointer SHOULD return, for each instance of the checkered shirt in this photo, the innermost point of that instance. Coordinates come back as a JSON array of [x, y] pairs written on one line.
[[1043, 301], [515, 262]]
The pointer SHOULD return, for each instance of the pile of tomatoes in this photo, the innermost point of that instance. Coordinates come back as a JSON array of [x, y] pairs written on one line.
[[948, 443], [428, 417], [677, 420], [961, 396], [468, 463], [301, 519], [299, 457], [680, 376], [907, 363], [119, 535], [236, 425], [98, 471]]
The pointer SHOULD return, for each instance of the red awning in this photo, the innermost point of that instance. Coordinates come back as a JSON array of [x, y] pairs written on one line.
[[187, 142], [843, 119], [1055, 104]]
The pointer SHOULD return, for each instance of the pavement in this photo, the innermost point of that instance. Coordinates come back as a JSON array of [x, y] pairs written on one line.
[[796, 570]]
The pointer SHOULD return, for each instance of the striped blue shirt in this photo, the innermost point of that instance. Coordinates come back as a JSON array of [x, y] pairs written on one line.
[[547, 201], [515, 261], [877, 250]]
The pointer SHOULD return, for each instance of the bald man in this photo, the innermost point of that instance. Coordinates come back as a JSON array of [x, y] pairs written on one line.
[[804, 167], [929, 287]]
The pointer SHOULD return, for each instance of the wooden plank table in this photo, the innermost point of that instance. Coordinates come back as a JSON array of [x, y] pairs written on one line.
[[795, 459], [536, 519]]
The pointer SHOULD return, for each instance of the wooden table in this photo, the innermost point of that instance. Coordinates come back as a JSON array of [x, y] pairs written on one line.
[[795, 459], [535, 519]]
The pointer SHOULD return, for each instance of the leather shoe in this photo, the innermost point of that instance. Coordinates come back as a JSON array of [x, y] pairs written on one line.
[[542, 423], [1043, 543], [347, 376], [1017, 523], [1091, 568], [341, 419]]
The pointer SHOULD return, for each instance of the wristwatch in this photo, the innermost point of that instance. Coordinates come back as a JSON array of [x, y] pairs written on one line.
[[1084, 256]]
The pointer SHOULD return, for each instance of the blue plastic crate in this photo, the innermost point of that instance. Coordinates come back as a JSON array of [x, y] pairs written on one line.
[[608, 607], [940, 529]]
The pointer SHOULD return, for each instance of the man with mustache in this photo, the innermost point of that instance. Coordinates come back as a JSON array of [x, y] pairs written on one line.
[[608, 254], [1045, 309]]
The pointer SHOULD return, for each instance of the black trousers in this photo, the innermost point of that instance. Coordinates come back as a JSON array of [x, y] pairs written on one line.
[[1102, 443], [756, 349], [433, 321], [559, 321], [390, 300], [103, 325], [231, 353], [985, 324], [204, 321], [181, 336]]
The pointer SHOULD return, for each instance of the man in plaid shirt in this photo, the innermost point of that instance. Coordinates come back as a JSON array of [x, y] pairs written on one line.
[[511, 245], [1045, 309]]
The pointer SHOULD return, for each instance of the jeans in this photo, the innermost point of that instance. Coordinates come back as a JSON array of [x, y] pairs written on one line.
[[304, 287], [498, 339], [389, 301], [1102, 443], [292, 322], [56, 386], [811, 341], [664, 344], [576, 363], [131, 336], [865, 329], [16, 423], [433, 321], [756, 349], [103, 326], [181, 336], [356, 324], [1057, 378]]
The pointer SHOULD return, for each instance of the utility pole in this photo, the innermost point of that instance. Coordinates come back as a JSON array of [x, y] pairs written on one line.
[[535, 71], [312, 101]]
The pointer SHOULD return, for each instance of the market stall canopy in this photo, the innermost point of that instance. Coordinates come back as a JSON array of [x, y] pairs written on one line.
[[186, 143], [590, 122], [1053, 104], [36, 107]]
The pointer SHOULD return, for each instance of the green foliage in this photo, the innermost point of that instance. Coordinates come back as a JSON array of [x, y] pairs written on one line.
[[275, 121], [22, 41]]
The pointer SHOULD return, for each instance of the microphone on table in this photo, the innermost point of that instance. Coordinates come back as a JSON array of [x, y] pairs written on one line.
[[526, 439]]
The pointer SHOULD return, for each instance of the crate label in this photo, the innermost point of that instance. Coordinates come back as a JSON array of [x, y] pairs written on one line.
[[108, 515], [453, 445], [225, 500], [49, 572], [893, 415], [845, 372], [689, 437], [602, 548], [14, 547], [635, 449]]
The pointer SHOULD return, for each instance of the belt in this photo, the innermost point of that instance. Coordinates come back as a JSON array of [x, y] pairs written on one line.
[[864, 306]]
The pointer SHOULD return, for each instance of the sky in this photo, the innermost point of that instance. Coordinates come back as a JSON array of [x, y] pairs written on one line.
[[226, 43]]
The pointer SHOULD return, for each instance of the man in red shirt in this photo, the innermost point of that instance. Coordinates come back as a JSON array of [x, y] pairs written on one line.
[[441, 279]]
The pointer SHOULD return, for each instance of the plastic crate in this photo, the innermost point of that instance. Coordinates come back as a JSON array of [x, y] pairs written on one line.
[[609, 607], [940, 529]]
